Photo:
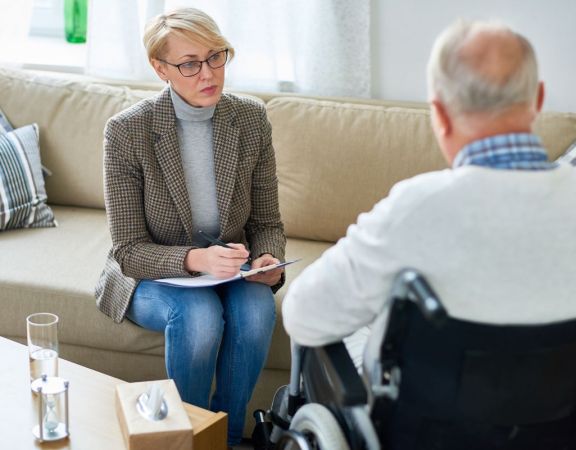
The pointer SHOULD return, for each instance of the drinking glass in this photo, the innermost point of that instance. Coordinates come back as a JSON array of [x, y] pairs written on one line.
[[42, 332]]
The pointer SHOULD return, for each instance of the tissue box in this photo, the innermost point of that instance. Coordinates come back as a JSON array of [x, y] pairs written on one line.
[[174, 432]]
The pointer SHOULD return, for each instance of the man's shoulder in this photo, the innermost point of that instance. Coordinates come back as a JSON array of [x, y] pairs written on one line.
[[431, 183], [424, 185], [421, 194]]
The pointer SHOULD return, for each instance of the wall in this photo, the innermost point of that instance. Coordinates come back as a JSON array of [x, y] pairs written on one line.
[[403, 32]]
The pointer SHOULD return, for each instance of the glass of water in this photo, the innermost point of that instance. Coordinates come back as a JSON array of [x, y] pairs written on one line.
[[42, 332]]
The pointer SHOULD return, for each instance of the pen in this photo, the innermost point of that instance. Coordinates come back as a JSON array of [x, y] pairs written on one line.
[[212, 239], [217, 241]]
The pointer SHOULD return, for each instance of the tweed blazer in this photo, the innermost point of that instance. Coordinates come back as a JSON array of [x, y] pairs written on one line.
[[147, 203]]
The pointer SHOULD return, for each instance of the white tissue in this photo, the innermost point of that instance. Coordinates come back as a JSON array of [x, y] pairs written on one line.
[[151, 404], [154, 402]]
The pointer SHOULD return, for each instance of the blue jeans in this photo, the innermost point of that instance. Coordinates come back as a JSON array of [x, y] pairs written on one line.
[[224, 329]]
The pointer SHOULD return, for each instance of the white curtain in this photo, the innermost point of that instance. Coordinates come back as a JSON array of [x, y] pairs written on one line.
[[319, 47], [14, 27], [114, 40]]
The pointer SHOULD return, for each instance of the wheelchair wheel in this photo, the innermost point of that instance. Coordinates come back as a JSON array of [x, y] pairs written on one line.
[[319, 427]]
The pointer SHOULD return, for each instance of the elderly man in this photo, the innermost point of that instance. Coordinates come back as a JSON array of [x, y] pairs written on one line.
[[494, 234]]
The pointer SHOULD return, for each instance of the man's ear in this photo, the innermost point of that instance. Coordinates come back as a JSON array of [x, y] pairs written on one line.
[[441, 117], [160, 69], [541, 95]]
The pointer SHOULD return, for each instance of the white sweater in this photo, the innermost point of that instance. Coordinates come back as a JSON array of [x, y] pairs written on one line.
[[498, 246]]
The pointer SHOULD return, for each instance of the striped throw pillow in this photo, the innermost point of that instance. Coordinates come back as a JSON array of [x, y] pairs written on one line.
[[22, 193], [5, 125]]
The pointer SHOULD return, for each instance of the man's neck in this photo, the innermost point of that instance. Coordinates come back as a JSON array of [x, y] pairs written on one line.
[[476, 126]]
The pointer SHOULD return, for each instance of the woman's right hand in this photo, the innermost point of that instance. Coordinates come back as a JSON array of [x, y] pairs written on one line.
[[216, 260]]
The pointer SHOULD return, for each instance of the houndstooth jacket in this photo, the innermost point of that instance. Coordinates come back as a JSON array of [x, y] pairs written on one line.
[[147, 202]]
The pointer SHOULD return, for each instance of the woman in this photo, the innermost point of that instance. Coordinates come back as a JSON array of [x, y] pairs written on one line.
[[187, 161]]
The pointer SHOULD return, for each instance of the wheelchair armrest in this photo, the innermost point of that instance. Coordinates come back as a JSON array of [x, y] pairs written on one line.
[[330, 377]]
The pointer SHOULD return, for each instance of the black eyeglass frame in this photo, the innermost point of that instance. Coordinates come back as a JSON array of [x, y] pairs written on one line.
[[207, 61]]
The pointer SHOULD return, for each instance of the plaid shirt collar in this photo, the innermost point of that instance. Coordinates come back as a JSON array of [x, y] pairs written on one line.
[[514, 151]]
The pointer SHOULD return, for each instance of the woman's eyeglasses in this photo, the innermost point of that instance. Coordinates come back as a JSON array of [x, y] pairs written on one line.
[[191, 68]]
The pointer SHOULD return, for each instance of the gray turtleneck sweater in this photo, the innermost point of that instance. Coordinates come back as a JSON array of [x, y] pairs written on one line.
[[194, 128]]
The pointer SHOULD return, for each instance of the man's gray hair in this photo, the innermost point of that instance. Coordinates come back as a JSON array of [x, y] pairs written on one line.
[[462, 88]]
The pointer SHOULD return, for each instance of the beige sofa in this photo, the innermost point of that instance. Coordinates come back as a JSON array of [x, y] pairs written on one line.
[[335, 158]]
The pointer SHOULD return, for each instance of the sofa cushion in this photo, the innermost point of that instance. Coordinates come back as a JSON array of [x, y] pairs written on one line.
[[335, 160], [55, 270], [557, 130], [22, 193], [71, 115]]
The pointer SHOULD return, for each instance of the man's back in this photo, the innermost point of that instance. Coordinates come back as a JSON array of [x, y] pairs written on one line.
[[497, 244], [493, 235]]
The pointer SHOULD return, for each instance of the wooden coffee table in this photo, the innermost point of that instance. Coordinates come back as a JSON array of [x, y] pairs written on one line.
[[93, 421]]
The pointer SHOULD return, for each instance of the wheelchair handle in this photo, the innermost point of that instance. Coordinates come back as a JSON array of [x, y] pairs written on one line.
[[412, 285], [259, 415]]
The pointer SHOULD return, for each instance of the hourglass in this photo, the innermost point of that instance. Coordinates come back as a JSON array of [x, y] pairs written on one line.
[[52, 408]]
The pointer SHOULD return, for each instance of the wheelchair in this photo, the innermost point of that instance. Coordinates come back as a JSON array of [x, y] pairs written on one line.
[[436, 382]]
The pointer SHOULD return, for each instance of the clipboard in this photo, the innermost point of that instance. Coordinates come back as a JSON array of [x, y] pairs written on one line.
[[207, 280]]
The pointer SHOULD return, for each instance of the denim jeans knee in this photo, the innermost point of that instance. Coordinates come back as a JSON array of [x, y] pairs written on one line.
[[224, 330]]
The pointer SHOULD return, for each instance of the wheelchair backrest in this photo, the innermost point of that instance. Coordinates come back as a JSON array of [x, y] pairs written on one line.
[[465, 371]]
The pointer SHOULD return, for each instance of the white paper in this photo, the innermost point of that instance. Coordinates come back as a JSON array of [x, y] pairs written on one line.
[[211, 280]]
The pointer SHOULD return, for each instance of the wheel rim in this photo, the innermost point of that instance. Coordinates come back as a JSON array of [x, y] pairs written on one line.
[[319, 427]]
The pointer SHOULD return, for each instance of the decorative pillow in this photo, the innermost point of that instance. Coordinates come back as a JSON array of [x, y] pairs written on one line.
[[569, 156], [5, 126], [22, 193]]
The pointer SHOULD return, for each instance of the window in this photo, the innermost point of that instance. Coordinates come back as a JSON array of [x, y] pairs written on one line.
[[47, 19], [47, 48], [320, 47]]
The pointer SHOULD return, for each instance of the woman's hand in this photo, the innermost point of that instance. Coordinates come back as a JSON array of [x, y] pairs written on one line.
[[216, 260], [271, 277]]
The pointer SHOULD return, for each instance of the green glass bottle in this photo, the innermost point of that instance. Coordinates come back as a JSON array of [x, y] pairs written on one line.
[[75, 20]]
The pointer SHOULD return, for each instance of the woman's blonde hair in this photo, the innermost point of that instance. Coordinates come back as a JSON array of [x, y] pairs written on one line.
[[187, 23]]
